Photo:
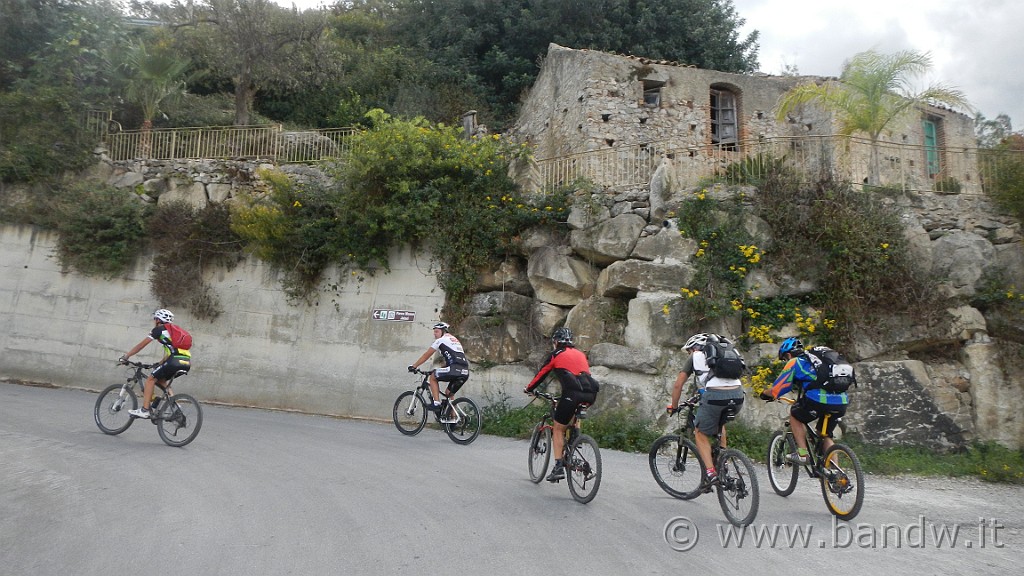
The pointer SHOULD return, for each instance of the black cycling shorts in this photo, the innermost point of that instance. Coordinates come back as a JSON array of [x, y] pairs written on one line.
[[567, 404], [827, 415], [172, 366]]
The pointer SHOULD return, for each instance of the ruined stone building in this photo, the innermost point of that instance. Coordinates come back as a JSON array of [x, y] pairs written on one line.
[[614, 118]]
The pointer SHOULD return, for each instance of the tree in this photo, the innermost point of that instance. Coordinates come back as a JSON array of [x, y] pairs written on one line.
[[255, 43], [992, 132], [492, 48], [872, 91], [151, 78]]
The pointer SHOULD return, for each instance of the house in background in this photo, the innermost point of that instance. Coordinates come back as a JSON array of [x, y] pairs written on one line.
[[615, 119]]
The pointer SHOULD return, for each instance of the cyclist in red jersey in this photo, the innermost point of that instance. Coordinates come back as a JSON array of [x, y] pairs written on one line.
[[578, 387]]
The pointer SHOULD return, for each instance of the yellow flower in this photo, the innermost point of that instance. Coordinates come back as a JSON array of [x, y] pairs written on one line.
[[297, 204]]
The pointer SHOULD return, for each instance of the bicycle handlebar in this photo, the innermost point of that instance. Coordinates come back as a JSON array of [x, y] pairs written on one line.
[[134, 364]]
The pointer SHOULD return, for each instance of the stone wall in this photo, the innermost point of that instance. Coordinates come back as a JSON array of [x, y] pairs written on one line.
[[614, 272]]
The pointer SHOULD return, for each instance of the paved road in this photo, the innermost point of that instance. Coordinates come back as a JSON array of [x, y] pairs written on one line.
[[278, 493]]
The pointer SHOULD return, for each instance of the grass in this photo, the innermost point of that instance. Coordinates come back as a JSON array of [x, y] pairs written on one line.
[[628, 431]]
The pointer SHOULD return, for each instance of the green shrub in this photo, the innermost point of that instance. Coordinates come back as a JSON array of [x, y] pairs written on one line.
[[622, 429], [615, 429], [851, 244], [101, 229], [405, 183], [40, 135], [502, 419], [987, 461], [1004, 174]]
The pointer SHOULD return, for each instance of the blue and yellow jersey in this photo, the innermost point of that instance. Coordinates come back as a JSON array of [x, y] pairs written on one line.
[[800, 372]]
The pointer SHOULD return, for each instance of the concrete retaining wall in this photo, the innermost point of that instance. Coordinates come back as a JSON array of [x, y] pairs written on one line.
[[330, 357]]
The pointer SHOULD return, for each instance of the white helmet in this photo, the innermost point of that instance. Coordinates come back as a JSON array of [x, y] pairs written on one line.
[[442, 326], [163, 315], [696, 341]]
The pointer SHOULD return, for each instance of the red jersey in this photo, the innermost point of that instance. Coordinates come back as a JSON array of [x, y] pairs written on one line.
[[569, 359]]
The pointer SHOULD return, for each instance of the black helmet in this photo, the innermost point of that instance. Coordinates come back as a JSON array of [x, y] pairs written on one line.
[[562, 336]]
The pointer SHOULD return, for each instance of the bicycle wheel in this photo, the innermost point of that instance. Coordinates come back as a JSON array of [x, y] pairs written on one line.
[[842, 484], [737, 487], [782, 474], [583, 469], [410, 413], [180, 420], [540, 452], [468, 427], [676, 467], [111, 410]]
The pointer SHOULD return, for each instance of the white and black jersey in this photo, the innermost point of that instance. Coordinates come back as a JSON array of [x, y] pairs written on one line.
[[451, 350]]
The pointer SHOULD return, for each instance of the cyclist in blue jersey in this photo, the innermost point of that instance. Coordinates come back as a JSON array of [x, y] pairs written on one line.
[[814, 402]]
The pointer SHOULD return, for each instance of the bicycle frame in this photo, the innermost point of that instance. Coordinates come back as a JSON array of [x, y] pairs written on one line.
[[837, 468], [458, 417], [169, 412]]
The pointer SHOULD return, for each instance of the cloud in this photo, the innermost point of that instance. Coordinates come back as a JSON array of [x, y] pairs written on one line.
[[974, 45]]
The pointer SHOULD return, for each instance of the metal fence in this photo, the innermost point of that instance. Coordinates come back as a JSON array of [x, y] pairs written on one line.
[[270, 142], [961, 170]]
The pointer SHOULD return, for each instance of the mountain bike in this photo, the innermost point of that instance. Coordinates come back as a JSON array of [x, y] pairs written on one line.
[[838, 469], [679, 471], [460, 418], [177, 417], [581, 456]]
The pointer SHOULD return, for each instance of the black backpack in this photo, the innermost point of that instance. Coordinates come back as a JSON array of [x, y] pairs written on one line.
[[834, 374], [723, 358]]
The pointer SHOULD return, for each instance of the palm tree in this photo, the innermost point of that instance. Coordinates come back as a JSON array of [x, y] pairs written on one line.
[[873, 90], [152, 78]]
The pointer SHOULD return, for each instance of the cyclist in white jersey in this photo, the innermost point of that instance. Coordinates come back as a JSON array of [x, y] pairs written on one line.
[[456, 368]]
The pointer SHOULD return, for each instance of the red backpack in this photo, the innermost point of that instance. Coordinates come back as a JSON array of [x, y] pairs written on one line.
[[180, 338]]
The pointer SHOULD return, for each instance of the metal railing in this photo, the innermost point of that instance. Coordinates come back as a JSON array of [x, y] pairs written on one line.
[[961, 170], [270, 142]]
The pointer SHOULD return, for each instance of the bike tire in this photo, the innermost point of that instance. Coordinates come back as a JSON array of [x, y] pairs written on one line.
[[468, 427], [676, 466], [409, 413], [583, 469], [842, 483], [738, 492], [782, 474], [111, 411], [180, 420], [540, 452]]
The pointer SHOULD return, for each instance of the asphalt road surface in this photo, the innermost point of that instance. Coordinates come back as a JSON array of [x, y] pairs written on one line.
[[274, 493]]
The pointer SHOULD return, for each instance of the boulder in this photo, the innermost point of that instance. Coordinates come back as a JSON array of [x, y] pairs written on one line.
[[608, 241], [509, 274], [492, 340], [504, 304], [643, 360], [960, 258], [559, 279], [668, 246], [626, 278]]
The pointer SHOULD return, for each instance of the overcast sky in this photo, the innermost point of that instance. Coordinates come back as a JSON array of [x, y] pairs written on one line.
[[975, 45]]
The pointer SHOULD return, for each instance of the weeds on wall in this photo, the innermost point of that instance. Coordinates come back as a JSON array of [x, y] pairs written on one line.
[[851, 245], [188, 240], [725, 255], [405, 183], [101, 230]]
